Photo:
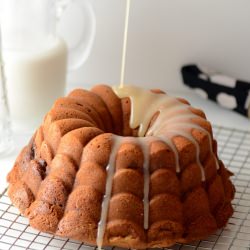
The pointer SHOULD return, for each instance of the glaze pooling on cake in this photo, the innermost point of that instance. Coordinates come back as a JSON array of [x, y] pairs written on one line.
[[79, 177]]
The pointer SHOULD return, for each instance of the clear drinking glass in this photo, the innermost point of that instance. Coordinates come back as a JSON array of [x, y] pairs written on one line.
[[5, 124], [35, 54]]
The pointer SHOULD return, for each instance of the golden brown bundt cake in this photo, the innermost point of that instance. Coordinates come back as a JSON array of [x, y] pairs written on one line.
[[123, 167]]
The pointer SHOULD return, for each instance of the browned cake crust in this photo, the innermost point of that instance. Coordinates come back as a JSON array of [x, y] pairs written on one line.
[[58, 180]]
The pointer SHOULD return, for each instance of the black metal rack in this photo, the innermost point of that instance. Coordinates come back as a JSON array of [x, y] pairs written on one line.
[[234, 150]]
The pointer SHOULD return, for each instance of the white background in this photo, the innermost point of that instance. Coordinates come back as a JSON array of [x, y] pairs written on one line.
[[164, 35]]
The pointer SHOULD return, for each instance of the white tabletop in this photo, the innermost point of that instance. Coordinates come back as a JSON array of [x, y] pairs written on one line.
[[215, 114]]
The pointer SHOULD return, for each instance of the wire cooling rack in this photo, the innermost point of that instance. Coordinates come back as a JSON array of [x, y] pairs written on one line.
[[234, 150]]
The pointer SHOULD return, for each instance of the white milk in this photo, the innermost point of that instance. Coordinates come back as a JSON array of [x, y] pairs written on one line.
[[34, 80]]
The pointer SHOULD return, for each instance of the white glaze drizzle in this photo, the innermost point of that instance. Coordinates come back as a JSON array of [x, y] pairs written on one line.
[[117, 141], [191, 126], [110, 169], [210, 142], [167, 106], [165, 128], [188, 123], [169, 142], [144, 143], [125, 39], [189, 136]]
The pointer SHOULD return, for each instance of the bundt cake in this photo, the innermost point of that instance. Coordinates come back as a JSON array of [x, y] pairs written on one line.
[[123, 166]]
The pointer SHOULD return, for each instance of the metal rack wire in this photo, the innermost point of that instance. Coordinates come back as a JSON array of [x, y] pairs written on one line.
[[234, 150]]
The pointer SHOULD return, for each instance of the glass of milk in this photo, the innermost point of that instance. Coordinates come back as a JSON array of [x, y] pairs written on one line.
[[5, 125], [35, 56]]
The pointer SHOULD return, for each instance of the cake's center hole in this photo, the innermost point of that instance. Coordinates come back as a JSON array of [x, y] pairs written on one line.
[[145, 107]]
